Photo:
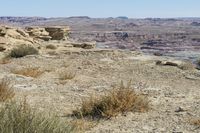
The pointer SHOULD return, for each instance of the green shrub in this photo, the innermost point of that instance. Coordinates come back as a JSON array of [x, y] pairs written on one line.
[[22, 51], [19, 118]]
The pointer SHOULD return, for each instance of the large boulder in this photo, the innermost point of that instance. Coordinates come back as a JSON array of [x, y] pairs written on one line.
[[58, 33]]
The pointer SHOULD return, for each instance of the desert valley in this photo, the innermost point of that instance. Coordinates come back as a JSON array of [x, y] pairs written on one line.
[[100, 75]]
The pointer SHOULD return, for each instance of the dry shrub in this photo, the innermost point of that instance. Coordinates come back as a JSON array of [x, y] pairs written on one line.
[[23, 50], [196, 122], [6, 90], [51, 46], [29, 72], [20, 118], [187, 66], [118, 100], [5, 60], [53, 53], [67, 75], [82, 124]]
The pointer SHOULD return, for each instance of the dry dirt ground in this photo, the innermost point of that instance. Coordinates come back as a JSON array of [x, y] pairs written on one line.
[[174, 93]]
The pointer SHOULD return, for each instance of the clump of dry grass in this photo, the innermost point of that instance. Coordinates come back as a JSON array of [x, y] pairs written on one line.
[[82, 124], [6, 90], [186, 66], [67, 75], [29, 72], [195, 122], [5, 60], [21, 118], [51, 46], [118, 100]]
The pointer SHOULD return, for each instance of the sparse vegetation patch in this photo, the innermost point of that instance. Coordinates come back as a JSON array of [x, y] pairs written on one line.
[[20, 118], [118, 100], [67, 75], [5, 60], [6, 90], [51, 46], [23, 50], [195, 122], [29, 72]]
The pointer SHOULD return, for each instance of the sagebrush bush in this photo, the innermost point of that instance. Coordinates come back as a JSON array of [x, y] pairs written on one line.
[[67, 75], [118, 100], [23, 50], [20, 118], [29, 72], [51, 46], [6, 90]]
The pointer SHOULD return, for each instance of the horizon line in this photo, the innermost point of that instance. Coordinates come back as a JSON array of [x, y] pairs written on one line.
[[101, 17]]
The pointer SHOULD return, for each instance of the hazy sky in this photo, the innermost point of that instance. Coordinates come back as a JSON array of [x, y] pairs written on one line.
[[101, 8]]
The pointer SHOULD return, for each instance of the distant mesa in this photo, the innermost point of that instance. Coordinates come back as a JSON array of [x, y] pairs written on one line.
[[122, 17], [79, 17], [162, 19], [153, 19], [22, 20]]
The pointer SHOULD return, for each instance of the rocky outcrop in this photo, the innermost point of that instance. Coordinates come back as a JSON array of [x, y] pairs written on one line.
[[84, 45], [184, 65], [10, 37], [58, 33], [15, 33], [22, 32], [48, 33], [39, 33], [35, 36]]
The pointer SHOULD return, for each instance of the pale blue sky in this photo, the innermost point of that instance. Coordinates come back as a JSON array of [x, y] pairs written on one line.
[[101, 8]]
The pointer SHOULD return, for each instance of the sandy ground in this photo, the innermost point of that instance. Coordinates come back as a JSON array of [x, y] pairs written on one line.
[[174, 94]]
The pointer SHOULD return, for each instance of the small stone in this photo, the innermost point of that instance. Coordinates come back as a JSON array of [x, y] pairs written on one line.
[[179, 109]]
